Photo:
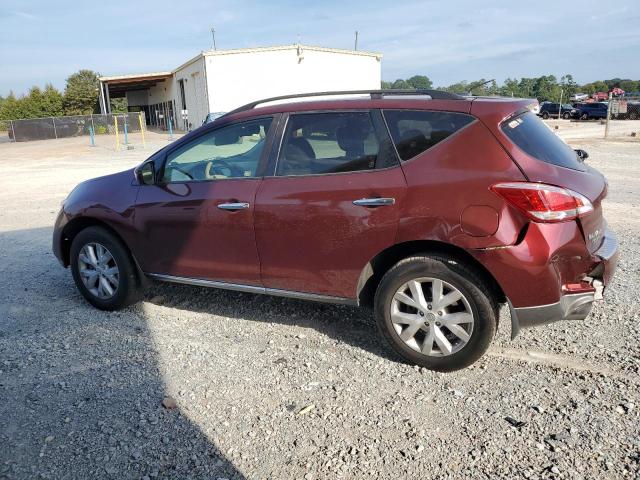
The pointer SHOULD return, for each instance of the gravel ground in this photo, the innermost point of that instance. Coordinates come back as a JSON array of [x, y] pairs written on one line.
[[260, 387]]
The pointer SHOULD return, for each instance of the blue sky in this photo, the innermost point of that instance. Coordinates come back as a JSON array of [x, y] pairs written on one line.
[[450, 41]]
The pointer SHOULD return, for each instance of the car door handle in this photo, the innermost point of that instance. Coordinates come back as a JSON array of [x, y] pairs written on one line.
[[233, 206], [374, 202]]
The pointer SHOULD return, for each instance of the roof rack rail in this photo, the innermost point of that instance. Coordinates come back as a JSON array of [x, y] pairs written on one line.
[[433, 94]]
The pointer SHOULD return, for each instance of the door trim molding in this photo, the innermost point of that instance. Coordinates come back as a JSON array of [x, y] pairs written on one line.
[[254, 289]]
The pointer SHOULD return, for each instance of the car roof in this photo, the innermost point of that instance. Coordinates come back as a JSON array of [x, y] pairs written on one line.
[[475, 105]]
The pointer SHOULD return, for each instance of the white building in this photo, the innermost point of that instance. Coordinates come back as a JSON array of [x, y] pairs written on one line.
[[221, 80]]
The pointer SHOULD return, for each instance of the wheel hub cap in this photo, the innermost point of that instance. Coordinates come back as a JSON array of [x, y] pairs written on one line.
[[98, 270], [433, 334]]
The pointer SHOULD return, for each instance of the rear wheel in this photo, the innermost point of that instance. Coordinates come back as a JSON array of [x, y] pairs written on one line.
[[566, 115], [103, 270], [584, 116], [435, 312], [545, 115]]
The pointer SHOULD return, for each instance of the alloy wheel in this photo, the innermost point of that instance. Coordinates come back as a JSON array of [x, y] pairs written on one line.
[[98, 270], [432, 317]]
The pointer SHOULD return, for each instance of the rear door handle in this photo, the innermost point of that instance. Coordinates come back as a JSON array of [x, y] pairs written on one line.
[[374, 202], [233, 206]]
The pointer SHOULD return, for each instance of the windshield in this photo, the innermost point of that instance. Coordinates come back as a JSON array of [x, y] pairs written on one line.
[[532, 136]]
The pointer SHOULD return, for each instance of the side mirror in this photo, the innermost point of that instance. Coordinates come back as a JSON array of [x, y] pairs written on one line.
[[146, 174], [582, 155]]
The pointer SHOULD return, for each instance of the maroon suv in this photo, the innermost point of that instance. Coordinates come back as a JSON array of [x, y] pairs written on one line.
[[430, 207]]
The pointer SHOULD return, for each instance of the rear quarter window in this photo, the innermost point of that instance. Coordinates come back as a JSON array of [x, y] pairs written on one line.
[[415, 131], [537, 140]]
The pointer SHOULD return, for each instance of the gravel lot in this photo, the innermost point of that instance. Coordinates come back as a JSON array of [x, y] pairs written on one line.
[[274, 388]]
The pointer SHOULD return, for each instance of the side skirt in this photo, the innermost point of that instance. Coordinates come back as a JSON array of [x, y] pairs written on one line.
[[254, 289]]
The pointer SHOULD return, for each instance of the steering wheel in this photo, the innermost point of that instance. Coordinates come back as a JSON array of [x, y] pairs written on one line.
[[215, 169]]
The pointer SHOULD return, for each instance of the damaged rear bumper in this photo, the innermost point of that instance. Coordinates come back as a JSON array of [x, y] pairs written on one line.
[[572, 306]]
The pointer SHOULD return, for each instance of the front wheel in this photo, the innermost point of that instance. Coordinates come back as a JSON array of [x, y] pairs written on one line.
[[545, 115], [103, 270], [435, 312], [566, 116]]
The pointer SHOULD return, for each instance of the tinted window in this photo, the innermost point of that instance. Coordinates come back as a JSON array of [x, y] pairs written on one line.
[[529, 133], [228, 152], [414, 131], [317, 143]]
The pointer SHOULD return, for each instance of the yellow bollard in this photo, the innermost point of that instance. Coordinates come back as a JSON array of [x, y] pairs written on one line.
[[144, 144], [115, 122]]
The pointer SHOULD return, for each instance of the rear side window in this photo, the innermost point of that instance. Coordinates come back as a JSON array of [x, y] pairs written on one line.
[[529, 133], [319, 143], [414, 131]]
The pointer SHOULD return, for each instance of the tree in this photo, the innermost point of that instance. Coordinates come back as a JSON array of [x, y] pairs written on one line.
[[400, 84], [420, 82], [51, 103], [11, 108], [385, 85], [119, 105], [81, 93]]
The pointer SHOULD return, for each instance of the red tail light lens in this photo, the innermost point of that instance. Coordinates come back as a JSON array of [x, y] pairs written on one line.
[[544, 203]]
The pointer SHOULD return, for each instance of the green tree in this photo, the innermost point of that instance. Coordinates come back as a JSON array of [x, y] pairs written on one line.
[[568, 86], [51, 103], [385, 85], [630, 85], [81, 93], [400, 84], [11, 108], [119, 105], [420, 82], [460, 87]]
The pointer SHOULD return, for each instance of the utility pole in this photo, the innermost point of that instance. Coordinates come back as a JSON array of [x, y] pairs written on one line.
[[560, 104], [213, 37], [606, 128], [355, 47]]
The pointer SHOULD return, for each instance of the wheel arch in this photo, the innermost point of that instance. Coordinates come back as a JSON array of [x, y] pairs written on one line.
[[374, 270], [78, 224]]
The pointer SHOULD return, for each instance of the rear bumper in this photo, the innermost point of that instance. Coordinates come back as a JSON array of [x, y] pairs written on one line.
[[572, 306]]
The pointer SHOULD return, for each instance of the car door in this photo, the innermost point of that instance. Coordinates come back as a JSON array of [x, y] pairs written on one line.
[[196, 221], [331, 203]]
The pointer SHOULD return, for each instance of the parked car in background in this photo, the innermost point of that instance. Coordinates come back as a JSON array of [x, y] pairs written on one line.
[[349, 201], [578, 97], [549, 109], [600, 96], [588, 111]]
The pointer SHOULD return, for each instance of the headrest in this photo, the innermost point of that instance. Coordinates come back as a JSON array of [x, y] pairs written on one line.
[[351, 138]]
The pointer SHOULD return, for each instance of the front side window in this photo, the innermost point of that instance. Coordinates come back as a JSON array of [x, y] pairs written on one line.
[[415, 131], [317, 143], [229, 152]]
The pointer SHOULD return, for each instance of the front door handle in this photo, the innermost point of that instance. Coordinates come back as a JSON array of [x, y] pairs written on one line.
[[374, 202], [233, 206]]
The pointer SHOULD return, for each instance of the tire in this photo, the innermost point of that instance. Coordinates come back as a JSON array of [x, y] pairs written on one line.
[[545, 115], [633, 116], [566, 116], [476, 300], [584, 116], [127, 290]]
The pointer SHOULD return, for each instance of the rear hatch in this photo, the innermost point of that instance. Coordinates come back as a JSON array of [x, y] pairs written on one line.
[[544, 157]]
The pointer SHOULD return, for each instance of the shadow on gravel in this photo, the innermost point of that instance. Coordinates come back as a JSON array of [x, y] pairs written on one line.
[[352, 325], [80, 389]]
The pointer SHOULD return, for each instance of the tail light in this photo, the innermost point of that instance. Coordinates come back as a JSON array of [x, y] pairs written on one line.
[[544, 203]]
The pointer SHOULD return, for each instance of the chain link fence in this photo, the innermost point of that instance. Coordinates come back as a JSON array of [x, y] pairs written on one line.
[[625, 108], [49, 128]]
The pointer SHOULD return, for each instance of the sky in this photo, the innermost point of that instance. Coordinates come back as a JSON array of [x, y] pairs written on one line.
[[45, 41]]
